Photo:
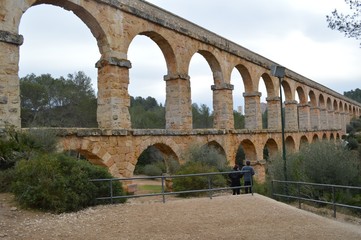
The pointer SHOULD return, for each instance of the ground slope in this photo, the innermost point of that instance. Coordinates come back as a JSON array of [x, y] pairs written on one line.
[[223, 217]]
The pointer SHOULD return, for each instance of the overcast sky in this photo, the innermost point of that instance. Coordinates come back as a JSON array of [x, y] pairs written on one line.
[[293, 33]]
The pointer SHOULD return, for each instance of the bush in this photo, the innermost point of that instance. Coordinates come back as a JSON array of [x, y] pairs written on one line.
[[6, 178], [208, 155], [201, 159], [152, 170], [321, 162], [17, 145], [58, 183], [261, 188], [172, 166], [196, 182], [352, 143]]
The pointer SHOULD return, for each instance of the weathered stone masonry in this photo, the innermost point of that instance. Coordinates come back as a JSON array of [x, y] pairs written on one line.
[[321, 113]]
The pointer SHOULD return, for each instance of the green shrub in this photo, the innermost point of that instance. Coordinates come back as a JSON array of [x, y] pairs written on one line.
[[196, 182], [208, 155], [17, 145], [58, 183], [352, 143], [152, 170], [172, 166], [321, 162], [6, 178], [139, 170], [201, 159], [261, 188]]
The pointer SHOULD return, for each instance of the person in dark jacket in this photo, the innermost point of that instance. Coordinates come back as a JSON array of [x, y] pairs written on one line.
[[235, 177], [248, 173]]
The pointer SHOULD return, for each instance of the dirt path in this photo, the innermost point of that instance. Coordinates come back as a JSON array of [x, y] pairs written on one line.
[[223, 217]]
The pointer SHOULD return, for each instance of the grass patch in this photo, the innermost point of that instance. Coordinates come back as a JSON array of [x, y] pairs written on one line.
[[150, 188]]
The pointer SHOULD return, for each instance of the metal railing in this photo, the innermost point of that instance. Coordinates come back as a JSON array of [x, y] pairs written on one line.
[[210, 188], [296, 193]]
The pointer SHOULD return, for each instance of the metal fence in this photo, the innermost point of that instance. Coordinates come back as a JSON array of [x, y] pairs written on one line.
[[164, 192], [324, 194]]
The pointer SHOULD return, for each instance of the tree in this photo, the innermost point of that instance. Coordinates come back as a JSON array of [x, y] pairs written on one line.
[[354, 94], [146, 113], [349, 24], [238, 120], [202, 117], [50, 102], [265, 119]]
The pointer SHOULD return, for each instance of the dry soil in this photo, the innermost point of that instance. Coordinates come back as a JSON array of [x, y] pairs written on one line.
[[222, 217]]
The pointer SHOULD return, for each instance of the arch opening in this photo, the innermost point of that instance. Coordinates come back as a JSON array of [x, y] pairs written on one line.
[[45, 52], [238, 82], [156, 160], [201, 80], [147, 88]]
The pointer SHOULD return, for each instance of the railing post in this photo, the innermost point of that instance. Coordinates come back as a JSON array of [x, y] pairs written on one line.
[[111, 191], [163, 180], [299, 194], [333, 202], [209, 186], [252, 185]]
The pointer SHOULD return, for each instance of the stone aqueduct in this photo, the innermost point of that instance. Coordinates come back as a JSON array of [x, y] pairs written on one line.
[[320, 113]]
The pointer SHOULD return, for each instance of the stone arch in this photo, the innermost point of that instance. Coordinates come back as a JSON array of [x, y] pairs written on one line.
[[290, 144], [215, 145], [93, 151], [272, 101], [301, 95], [163, 45], [84, 12], [313, 99], [324, 136], [168, 146], [97, 154], [321, 101], [214, 65], [249, 150], [345, 107], [246, 77], [270, 86], [272, 148], [167, 153], [239, 156], [303, 141], [340, 106], [332, 137], [289, 96], [315, 138], [94, 158], [335, 105], [87, 18], [165, 149], [329, 105]]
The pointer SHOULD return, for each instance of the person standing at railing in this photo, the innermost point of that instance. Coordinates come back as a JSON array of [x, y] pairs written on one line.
[[248, 173], [236, 180]]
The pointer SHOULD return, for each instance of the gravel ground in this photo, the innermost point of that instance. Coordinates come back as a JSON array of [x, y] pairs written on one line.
[[223, 217]]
